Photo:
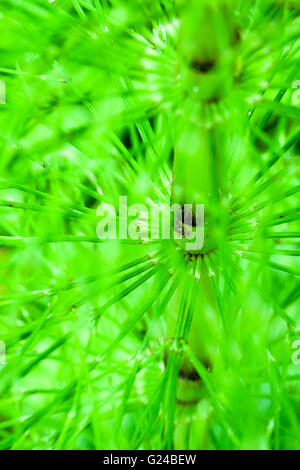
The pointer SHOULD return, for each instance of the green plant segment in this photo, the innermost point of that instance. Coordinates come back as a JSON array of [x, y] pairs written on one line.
[[140, 343]]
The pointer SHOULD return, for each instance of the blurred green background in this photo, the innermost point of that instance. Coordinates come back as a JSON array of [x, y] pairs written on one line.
[[124, 344]]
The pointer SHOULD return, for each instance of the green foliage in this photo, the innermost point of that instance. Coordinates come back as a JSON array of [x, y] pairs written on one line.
[[137, 344]]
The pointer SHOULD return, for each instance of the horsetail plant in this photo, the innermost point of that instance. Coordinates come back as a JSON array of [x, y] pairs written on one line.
[[116, 334]]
